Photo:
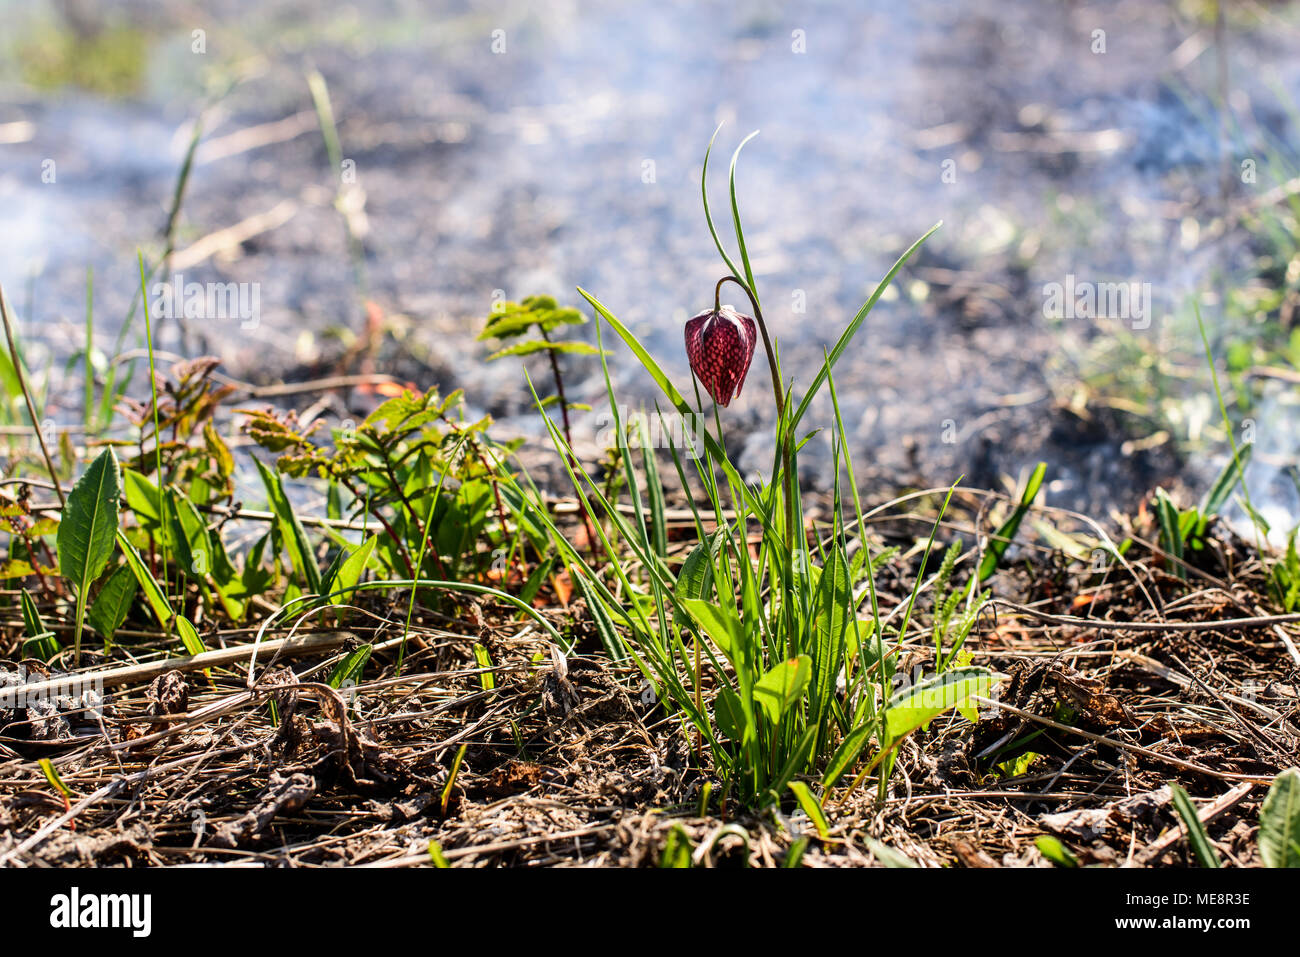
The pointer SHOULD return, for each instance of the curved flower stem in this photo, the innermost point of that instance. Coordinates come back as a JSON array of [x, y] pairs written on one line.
[[787, 448], [777, 392]]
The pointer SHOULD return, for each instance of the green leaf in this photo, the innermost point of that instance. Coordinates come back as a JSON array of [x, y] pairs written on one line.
[[32, 624], [515, 318], [926, 700], [834, 607], [351, 667], [1228, 480], [86, 529], [51, 775], [189, 636], [153, 592], [40, 641], [1205, 853], [1171, 534], [721, 625], [794, 856], [113, 602], [44, 646], [351, 570], [1056, 852], [542, 345], [487, 680], [436, 857], [782, 687], [143, 501], [677, 848], [695, 580], [291, 530], [847, 753], [1001, 540], [189, 535], [812, 807], [1279, 822], [729, 713]]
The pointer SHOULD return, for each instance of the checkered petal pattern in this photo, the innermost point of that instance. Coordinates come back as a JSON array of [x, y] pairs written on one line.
[[720, 347]]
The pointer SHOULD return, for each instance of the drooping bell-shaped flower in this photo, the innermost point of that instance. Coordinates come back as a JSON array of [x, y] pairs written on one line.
[[720, 345]]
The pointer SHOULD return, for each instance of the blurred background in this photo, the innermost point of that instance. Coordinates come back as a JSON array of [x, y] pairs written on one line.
[[496, 150]]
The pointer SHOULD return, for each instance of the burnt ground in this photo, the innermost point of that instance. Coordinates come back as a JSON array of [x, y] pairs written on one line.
[[523, 173], [578, 770]]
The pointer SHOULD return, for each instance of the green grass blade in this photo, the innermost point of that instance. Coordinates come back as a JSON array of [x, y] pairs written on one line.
[[1001, 540], [1204, 851]]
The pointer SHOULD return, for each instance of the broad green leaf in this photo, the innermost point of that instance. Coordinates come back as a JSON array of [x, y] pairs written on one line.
[[782, 687], [189, 636], [86, 529], [291, 530], [541, 345], [351, 570], [812, 807], [189, 535], [153, 592], [848, 751], [721, 625], [351, 667], [142, 499], [926, 700], [695, 579], [1279, 821], [113, 602], [729, 713]]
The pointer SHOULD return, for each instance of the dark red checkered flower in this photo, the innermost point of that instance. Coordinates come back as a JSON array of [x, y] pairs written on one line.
[[720, 345]]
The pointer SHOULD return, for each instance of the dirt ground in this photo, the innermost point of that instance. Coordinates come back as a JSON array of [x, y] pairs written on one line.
[[570, 764]]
